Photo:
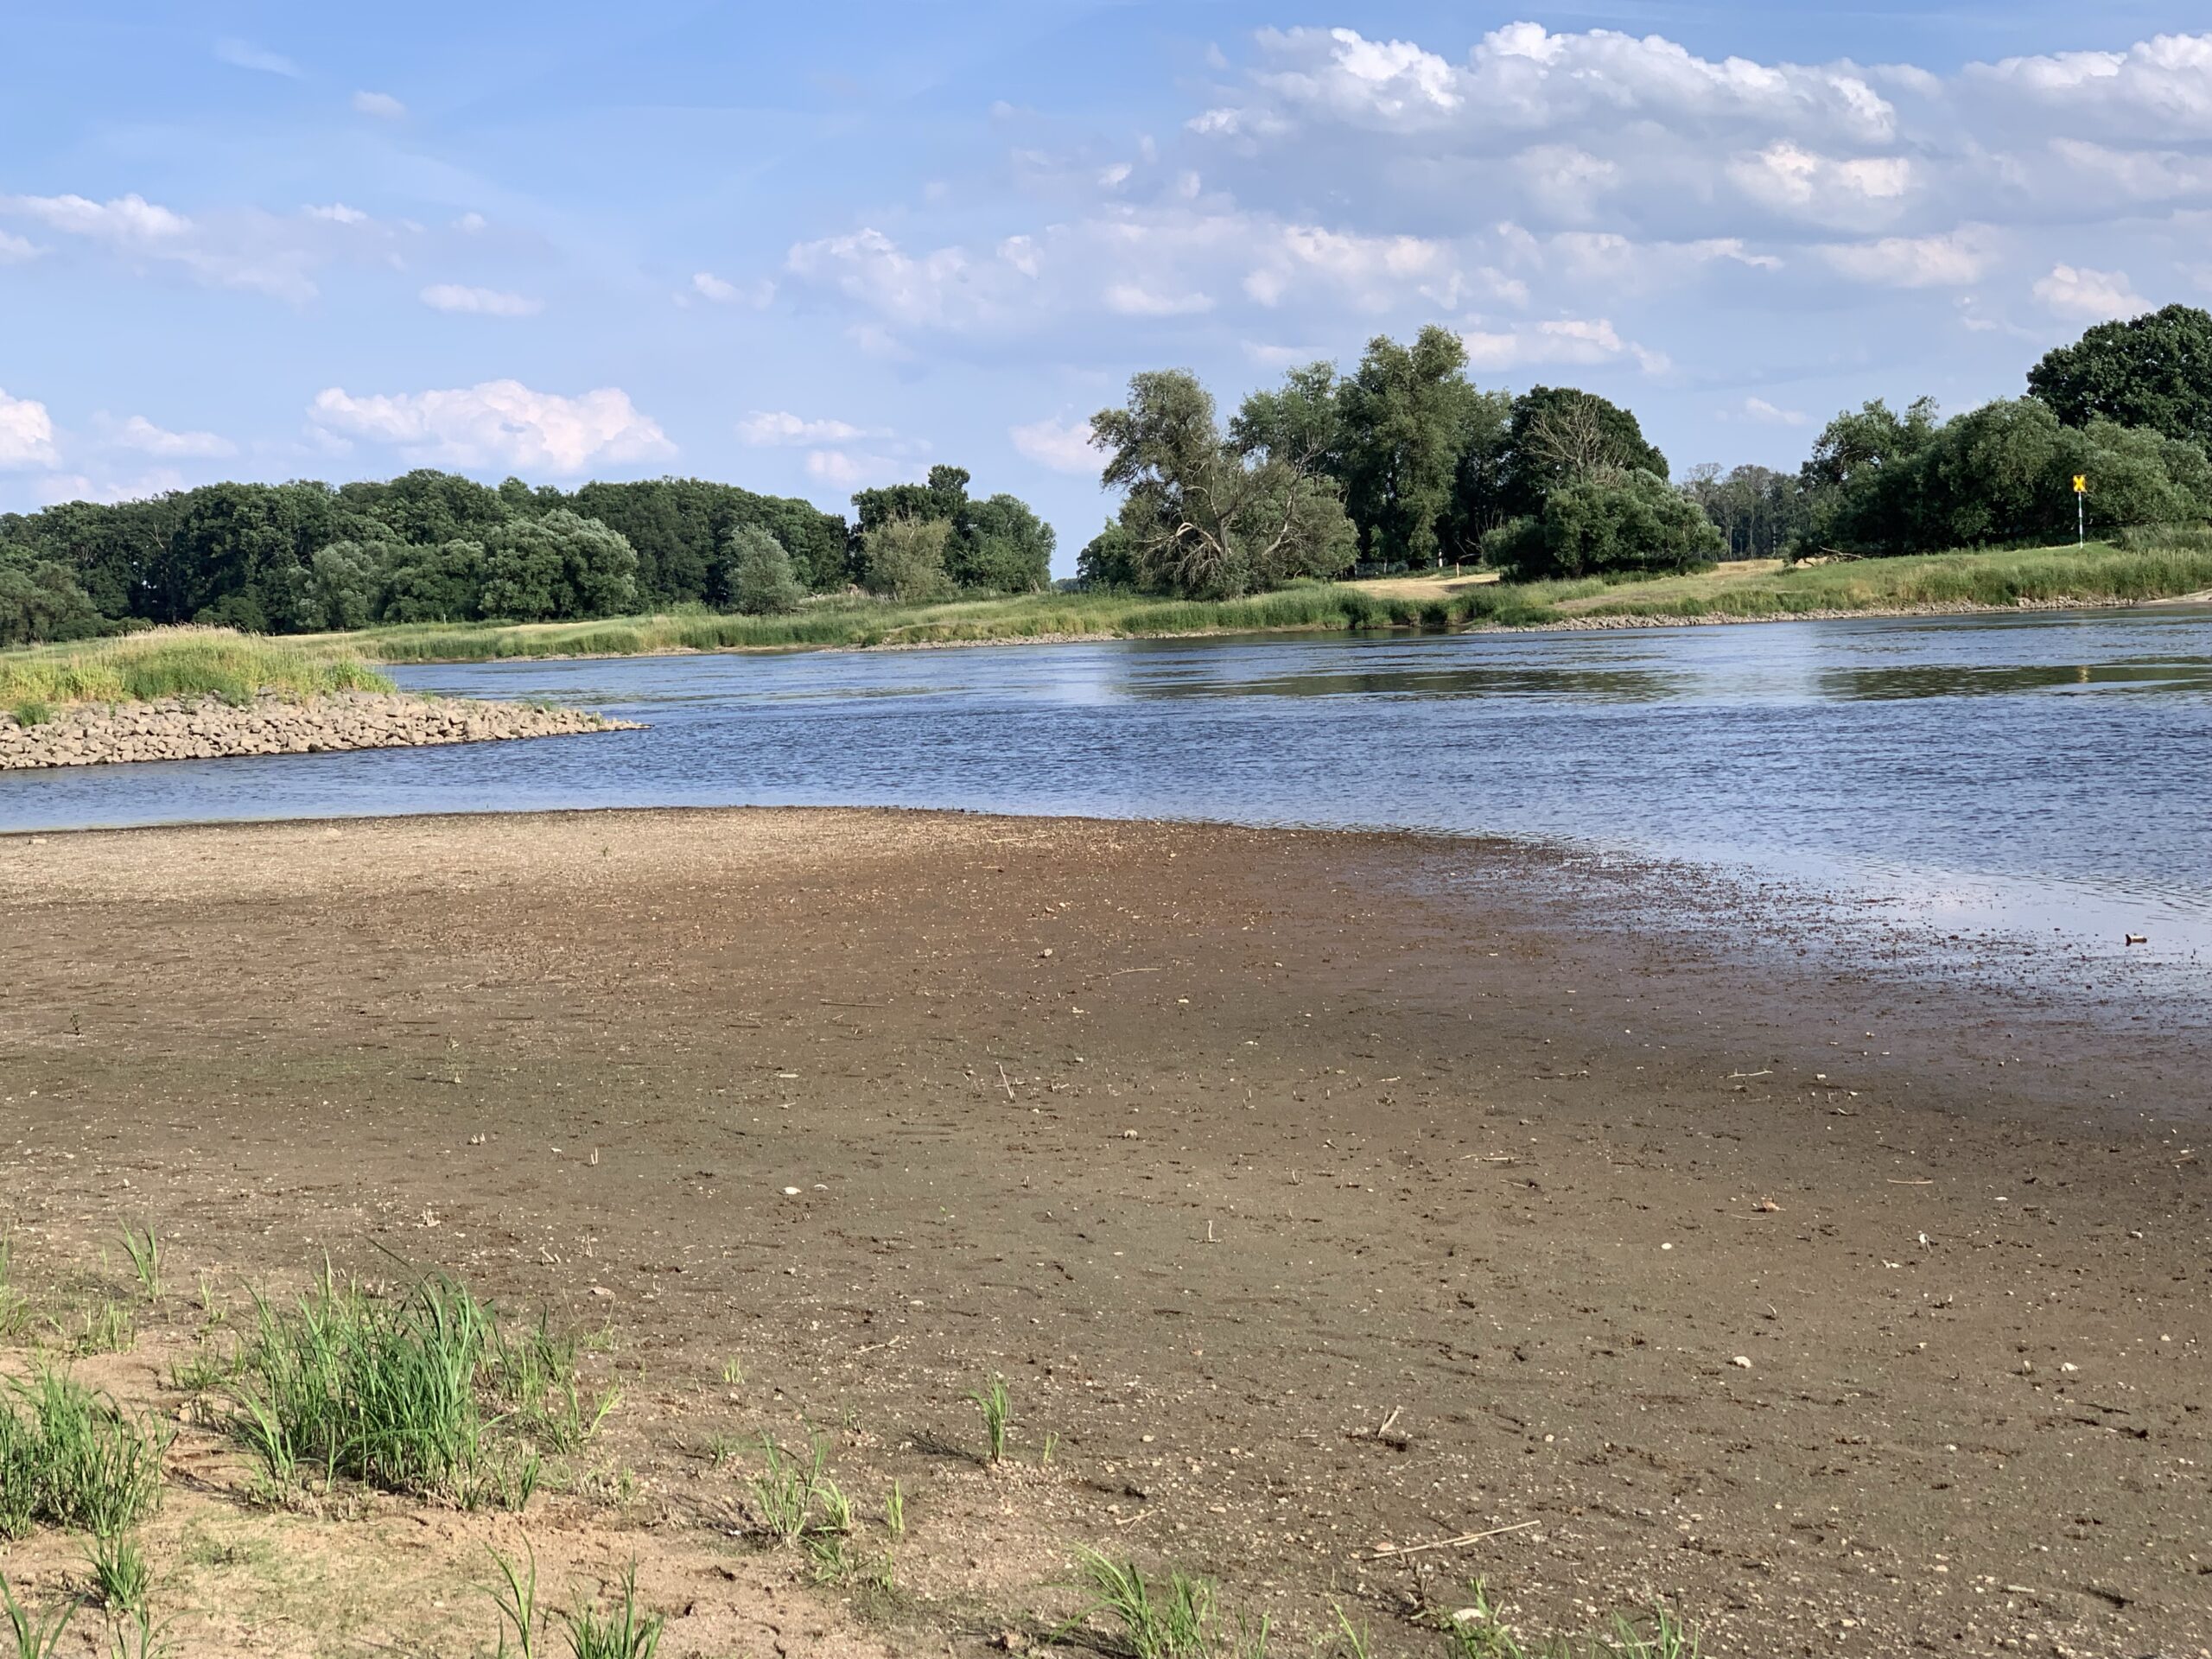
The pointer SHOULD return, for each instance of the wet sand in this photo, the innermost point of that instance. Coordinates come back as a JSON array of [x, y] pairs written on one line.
[[1317, 1192]]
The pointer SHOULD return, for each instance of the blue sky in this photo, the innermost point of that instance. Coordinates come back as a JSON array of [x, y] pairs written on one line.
[[806, 249]]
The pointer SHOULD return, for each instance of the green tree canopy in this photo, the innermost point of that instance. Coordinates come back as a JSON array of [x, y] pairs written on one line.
[[1558, 435], [758, 575], [41, 600], [1408, 417], [1207, 519], [1108, 560], [1005, 548], [557, 566], [2154, 370], [1609, 523], [433, 584], [1880, 483], [903, 558]]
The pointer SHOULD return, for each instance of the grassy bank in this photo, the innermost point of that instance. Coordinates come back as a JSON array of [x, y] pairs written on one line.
[[862, 622], [172, 662], [176, 663], [2101, 573]]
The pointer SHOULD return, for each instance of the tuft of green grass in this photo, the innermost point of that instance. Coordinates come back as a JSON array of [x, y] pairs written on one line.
[[144, 1247], [620, 1631], [122, 1578], [106, 1329], [69, 1458], [786, 1490], [533, 1374], [421, 1392], [517, 1602], [14, 1307], [135, 1635], [894, 1511], [1349, 1641], [33, 1638], [997, 1406], [1172, 1621]]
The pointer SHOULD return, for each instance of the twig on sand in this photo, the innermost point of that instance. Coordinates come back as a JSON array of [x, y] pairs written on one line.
[[1733, 1076], [1384, 1428], [1003, 1083], [1461, 1542], [1895, 1182]]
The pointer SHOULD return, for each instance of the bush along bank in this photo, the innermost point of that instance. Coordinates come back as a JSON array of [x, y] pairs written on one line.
[[200, 728]]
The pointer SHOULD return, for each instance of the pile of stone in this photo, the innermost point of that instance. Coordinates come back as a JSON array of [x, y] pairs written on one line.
[[198, 728]]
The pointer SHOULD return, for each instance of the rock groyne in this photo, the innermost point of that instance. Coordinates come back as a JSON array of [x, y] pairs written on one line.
[[200, 728]]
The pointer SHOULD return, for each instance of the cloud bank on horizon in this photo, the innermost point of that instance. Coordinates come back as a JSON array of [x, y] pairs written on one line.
[[326, 256]]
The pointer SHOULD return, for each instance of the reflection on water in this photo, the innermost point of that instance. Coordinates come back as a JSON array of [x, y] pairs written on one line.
[[1967, 680], [2052, 768]]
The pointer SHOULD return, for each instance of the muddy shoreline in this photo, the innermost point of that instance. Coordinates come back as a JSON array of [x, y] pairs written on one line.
[[1314, 1190]]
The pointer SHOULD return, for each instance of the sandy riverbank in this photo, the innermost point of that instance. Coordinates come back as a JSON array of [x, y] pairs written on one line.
[[1314, 1191], [201, 728]]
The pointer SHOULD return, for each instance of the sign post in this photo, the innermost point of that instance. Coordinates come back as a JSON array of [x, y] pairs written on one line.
[[2081, 489]]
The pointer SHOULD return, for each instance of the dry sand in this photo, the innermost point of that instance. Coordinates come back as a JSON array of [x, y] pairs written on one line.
[[1317, 1193]]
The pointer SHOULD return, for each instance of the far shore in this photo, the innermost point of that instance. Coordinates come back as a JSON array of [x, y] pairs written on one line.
[[2099, 576], [1603, 624]]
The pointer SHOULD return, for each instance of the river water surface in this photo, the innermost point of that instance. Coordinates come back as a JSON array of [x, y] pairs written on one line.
[[2033, 771]]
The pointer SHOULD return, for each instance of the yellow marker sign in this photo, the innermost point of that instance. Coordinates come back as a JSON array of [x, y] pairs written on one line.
[[2080, 483]]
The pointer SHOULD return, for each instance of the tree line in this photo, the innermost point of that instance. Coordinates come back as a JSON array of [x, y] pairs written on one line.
[[1401, 462], [1405, 463], [437, 547]]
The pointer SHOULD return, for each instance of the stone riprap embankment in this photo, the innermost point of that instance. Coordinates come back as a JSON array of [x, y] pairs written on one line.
[[198, 728]]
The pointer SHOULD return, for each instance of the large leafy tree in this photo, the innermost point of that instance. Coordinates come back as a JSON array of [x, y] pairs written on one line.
[[433, 584], [1206, 518], [557, 566], [2154, 370], [997, 544], [757, 574], [41, 600], [1408, 418], [1005, 548], [1616, 523], [905, 558], [1880, 483], [1559, 435]]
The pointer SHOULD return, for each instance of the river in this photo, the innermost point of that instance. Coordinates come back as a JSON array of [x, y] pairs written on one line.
[[2048, 769]]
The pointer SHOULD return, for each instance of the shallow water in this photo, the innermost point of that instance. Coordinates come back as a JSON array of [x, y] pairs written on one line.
[[2047, 770]]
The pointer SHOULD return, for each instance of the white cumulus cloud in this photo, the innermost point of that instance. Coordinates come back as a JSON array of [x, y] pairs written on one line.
[[1955, 259], [245, 54], [141, 434], [128, 220], [480, 302], [383, 106], [26, 434], [1062, 446], [708, 286], [1580, 340], [1136, 299], [500, 424], [778, 427], [2099, 295], [1767, 414]]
